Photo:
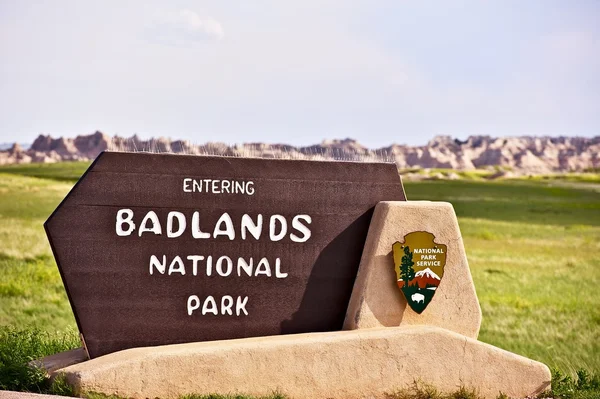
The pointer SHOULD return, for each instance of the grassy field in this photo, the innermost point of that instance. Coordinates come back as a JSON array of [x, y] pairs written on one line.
[[63, 171], [533, 247], [534, 252]]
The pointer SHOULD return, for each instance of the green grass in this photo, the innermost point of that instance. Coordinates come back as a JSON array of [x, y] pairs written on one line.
[[541, 203], [20, 346], [31, 291], [583, 386], [534, 252], [590, 176], [475, 174], [32, 294], [420, 390], [533, 248], [62, 171]]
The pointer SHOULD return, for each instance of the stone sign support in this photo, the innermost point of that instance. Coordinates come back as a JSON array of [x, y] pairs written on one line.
[[376, 300]]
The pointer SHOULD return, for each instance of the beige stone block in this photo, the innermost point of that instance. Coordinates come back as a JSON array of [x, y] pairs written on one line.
[[376, 299], [344, 364]]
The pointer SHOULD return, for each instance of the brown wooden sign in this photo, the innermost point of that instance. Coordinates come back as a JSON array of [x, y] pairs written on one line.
[[158, 249]]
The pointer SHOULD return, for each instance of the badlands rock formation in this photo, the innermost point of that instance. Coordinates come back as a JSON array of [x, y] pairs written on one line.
[[525, 154]]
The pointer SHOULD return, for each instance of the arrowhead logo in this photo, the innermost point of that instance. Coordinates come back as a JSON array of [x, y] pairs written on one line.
[[419, 264]]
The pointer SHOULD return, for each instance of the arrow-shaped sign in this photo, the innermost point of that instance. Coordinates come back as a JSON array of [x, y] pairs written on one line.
[[158, 249]]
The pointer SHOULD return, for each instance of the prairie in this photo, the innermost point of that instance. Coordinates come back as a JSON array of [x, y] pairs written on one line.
[[533, 247]]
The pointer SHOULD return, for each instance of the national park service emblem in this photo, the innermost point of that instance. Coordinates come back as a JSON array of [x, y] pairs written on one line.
[[419, 263]]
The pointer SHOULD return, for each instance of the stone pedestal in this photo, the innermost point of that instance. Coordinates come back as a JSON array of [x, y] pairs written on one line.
[[376, 300], [345, 364]]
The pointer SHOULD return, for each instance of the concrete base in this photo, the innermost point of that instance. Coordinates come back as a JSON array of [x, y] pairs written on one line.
[[364, 363]]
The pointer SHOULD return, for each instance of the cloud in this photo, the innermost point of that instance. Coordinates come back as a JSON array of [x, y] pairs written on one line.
[[184, 27]]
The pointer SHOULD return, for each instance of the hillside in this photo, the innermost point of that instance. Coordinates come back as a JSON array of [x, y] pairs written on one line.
[[519, 154]]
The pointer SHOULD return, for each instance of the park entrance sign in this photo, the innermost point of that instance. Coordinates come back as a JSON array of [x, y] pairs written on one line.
[[159, 249]]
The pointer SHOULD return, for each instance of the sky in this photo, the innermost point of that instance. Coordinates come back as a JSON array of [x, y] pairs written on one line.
[[299, 72]]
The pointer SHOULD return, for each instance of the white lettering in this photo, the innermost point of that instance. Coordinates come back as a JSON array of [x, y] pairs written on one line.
[[217, 186], [195, 259], [225, 186], [209, 266], [226, 308], [250, 188], [241, 305], [210, 306], [177, 266], [128, 219], [302, 228], [248, 225], [240, 187], [197, 186], [158, 265], [223, 265], [155, 228], [196, 232], [186, 185], [266, 268], [219, 267], [193, 303], [278, 272], [228, 230], [247, 267], [180, 224], [272, 227]]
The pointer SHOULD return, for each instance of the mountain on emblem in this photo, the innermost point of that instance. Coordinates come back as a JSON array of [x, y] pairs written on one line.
[[420, 261], [427, 277]]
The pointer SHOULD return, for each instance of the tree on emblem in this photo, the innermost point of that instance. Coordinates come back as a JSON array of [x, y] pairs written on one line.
[[407, 273]]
